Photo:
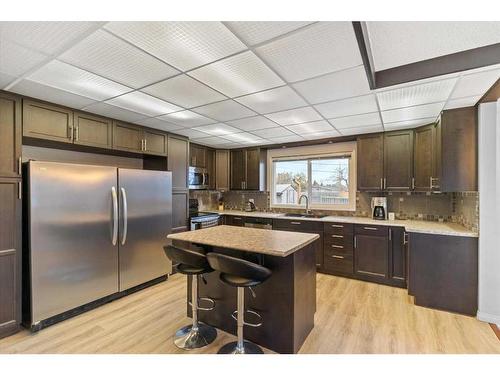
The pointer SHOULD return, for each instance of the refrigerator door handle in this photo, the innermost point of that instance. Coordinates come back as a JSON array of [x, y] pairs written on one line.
[[125, 215], [115, 216]]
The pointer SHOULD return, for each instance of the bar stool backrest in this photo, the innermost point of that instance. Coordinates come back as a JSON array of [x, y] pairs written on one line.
[[238, 267]]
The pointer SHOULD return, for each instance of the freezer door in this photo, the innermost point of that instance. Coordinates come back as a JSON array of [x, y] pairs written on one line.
[[145, 222], [72, 258]]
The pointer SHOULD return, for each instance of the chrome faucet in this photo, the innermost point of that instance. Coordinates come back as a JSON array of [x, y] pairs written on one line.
[[307, 202]]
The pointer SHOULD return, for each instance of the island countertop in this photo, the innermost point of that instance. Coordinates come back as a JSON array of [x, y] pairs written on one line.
[[253, 240]]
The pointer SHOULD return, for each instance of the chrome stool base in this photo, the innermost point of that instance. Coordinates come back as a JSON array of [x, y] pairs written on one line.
[[248, 348], [193, 338]]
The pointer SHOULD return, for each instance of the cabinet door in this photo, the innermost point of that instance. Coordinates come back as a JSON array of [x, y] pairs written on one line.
[[397, 256], [222, 170], [178, 149], [238, 169], [424, 157], [47, 121], [252, 180], [127, 137], [210, 162], [398, 160], [10, 256], [197, 156], [180, 211], [237, 221], [371, 256], [92, 130], [10, 136], [370, 155], [155, 143]]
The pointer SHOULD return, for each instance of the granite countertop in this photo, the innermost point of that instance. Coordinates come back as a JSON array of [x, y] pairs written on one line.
[[412, 226], [253, 240]]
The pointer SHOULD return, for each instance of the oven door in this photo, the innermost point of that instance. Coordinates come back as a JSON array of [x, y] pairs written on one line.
[[198, 178]]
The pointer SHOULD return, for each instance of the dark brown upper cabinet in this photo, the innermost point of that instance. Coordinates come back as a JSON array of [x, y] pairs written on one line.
[[197, 156], [427, 157], [210, 165], [127, 137], [90, 130], [248, 169], [238, 169], [222, 169], [178, 158], [370, 155], [155, 142], [45, 121], [398, 160], [10, 136]]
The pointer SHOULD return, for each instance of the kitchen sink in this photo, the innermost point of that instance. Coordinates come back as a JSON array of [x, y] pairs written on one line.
[[314, 216]]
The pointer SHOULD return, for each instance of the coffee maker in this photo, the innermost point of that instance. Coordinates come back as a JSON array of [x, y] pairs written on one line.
[[379, 208]]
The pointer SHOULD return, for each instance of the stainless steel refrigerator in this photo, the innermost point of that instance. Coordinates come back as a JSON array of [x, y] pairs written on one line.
[[94, 231]]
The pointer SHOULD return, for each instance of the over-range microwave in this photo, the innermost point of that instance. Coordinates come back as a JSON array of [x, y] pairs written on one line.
[[198, 178]]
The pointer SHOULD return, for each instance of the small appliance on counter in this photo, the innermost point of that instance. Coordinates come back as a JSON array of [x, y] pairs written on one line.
[[250, 206], [200, 220], [379, 208]]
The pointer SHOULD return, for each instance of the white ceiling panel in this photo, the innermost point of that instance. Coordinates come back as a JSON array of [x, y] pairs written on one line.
[[16, 60], [157, 123], [273, 133], [142, 103], [243, 138], [5, 79], [287, 139], [184, 91], [185, 45], [112, 111], [215, 142], [321, 135], [408, 124], [225, 111], [294, 116], [252, 123], [348, 107], [475, 84], [274, 100], [238, 75], [468, 101], [322, 48], [311, 127], [111, 57], [50, 94], [367, 119], [218, 129], [255, 32], [399, 43], [362, 130], [187, 119], [413, 113], [67, 77], [416, 94], [191, 133], [340, 85]]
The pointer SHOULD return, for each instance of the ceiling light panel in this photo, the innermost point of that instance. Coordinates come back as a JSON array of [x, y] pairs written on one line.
[[156, 123], [311, 127], [184, 91], [274, 100], [322, 48], [252, 123], [367, 119], [409, 124], [468, 101], [69, 78], [260, 31], [362, 130], [185, 45], [273, 133], [111, 57], [112, 111], [187, 119], [399, 43], [243, 138], [475, 84], [238, 75], [191, 133], [320, 135], [348, 107], [225, 111], [218, 129], [340, 85], [16, 60], [413, 113], [142, 103], [294, 116], [411, 95]]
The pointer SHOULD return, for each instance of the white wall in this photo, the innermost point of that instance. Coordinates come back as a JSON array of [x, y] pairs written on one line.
[[489, 212]]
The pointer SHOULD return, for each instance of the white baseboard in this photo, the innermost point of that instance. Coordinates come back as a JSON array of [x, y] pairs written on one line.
[[489, 318]]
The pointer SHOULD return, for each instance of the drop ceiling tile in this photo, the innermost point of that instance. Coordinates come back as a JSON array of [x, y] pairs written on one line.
[[238, 75], [287, 139], [362, 130], [252, 123], [191, 133], [274, 100], [475, 84], [243, 138], [50, 94], [468, 101], [112, 111], [157, 123], [340, 85], [104, 54], [218, 129], [225, 111], [255, 32], [185, 45], [273, 133], [416, 94], [348, 107], [187, 119], [322, 48], [214, 142], [294, 116], [5, 79], [311, 127], [321, 135], [367, 119], [413, 113], [16, 60], [184, 91], [142, 103], [69, 78], [409, 124]]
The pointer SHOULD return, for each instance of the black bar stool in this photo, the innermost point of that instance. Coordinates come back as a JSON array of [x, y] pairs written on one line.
[[193, 264], [241, 274]]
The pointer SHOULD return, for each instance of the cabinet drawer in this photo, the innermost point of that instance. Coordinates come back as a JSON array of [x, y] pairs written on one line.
[[338, 263], [372, 230], [336, 240], [298, 225], [334, 249], [338, 228]]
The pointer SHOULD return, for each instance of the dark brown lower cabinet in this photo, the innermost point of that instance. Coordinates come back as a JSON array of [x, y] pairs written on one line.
[[397, 256], [237, 221], [371, 254]]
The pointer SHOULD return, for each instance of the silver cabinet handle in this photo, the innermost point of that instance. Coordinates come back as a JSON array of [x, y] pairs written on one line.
[[115, 216], [19, 190], [355, 242], [370, 228], [338, 256], [125, 215], [381, 184], [390, 234], [337, 236], [20, 166], [337, 226], [337, 246], [413, 183], [77, 135], [295, 222], [145, 144], [236, 218], [385, 183], [405, 238], [430, 182]]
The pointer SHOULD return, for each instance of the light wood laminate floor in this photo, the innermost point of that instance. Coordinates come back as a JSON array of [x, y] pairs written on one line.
[[352, 317]]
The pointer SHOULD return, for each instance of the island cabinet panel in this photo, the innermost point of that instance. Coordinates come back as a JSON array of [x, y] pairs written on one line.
[[10, 136], [371, 252], [46, 121], [155, 143], [127, 137], [426, 157], [178, 158], [92, 130], [370, 165], [398, 160], [222, 170]]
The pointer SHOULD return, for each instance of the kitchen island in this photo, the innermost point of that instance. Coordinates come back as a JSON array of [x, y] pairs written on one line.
[[286, 301]]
